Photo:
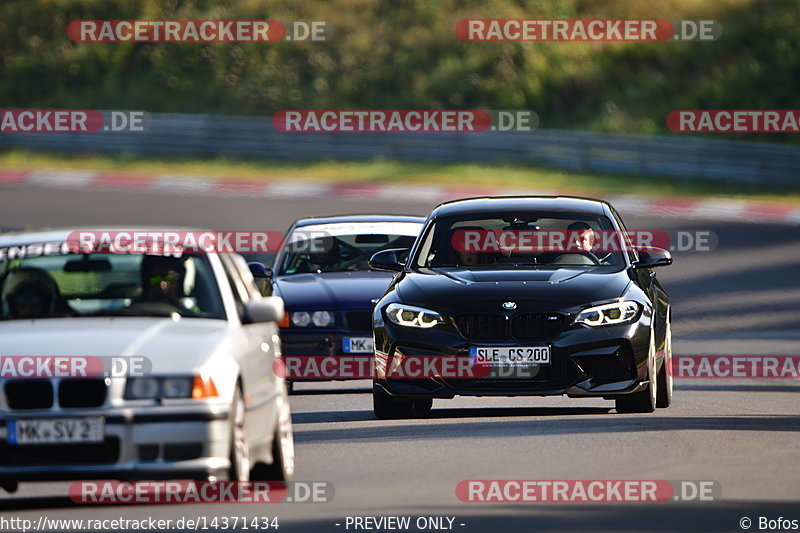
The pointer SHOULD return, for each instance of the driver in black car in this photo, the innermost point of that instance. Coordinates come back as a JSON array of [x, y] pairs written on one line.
[[581, 235]]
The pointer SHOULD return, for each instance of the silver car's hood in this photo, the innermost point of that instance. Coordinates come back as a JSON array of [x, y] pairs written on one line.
[[172, 346]]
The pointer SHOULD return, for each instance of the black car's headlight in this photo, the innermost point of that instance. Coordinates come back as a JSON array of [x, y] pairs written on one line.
[[302, 319], [146, 388], [608, 314], [412, 316]]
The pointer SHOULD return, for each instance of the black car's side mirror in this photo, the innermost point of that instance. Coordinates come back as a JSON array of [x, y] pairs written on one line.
[[652, 257], [260, 271], [388, 260]]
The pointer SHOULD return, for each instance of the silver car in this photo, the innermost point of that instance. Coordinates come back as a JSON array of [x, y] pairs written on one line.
[[203, 403]]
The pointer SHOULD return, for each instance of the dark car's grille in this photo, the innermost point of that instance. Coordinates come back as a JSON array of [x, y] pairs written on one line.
[[29, 394], [534, 326], [492, 327], [359, 321], [106, 452], [82, 393], [482, 327]]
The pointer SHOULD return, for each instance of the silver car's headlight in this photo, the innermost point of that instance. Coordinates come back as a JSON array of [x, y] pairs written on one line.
[[412, 316], [163, 387], [608, 314]]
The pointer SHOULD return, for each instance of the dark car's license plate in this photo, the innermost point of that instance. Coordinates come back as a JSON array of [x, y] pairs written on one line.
[[510, 355]]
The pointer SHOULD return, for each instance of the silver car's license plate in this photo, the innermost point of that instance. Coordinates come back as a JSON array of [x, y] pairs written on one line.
[[510, 355], [55, 430]]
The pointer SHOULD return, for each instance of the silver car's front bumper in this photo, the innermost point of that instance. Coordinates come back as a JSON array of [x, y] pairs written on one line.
[[158, 443]]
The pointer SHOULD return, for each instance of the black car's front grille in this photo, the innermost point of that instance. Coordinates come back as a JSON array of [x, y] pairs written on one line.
[[535, 326], [484, 327], [29, 394], [359, 321], [106, 452], [494, 327], [82, 392]]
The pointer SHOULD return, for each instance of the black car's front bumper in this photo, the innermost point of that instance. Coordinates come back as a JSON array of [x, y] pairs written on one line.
[[602, 362]]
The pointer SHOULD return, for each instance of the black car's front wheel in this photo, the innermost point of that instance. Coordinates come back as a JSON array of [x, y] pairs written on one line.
[[643, 401], [664, 394], [387, 407]]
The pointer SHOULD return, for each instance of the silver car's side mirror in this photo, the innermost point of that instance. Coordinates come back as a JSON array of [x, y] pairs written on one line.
[[266, 309]]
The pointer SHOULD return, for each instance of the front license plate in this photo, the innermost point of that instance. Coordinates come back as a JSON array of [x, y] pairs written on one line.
[[510, 355], [357, 345], [55, 431]]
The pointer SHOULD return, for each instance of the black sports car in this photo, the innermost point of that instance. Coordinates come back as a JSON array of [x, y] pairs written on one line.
[[574, 319], [322, 273]]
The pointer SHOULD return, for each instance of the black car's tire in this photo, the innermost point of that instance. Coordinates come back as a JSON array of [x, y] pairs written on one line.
[[239, 452], [643, 401], [386, 407], [423, 406], [664, 392], [9, 485]]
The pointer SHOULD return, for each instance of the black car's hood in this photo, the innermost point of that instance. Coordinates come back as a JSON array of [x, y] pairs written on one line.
[[562, 288], [332, 290]]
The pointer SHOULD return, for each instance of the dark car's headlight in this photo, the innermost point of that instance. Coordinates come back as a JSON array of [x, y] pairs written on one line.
[[412, 316], [302, 319], [608, 314], [196, 387]]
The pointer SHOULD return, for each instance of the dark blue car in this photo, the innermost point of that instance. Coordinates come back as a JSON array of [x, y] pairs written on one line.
[[322, 273]]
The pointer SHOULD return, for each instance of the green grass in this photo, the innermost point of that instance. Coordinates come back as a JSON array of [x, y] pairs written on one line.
[[381, 171]]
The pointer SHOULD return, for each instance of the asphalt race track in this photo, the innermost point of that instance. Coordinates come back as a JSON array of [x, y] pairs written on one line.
[[742, 298]]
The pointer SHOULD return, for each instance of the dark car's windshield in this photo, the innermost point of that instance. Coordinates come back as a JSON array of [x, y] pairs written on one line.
[[521, 240], [340, 248], [80, 285]]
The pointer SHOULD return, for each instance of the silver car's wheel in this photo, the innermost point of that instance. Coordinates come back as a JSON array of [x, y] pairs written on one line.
[[240, 454], [282, 467]]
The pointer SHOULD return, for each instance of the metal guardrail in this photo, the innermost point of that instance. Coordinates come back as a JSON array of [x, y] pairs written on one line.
[[256, 138]]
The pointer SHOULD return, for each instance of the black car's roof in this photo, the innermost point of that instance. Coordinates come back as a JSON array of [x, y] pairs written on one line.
[[489, 205], [357, 218]]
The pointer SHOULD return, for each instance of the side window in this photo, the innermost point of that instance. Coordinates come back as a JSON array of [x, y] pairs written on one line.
[[632, 255], [248, 282], [240, 295]]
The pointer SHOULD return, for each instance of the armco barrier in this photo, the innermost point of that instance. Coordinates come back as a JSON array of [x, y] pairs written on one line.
[[256, 138]]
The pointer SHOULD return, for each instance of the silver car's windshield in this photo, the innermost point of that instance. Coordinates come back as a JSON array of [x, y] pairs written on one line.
[[80, 285]]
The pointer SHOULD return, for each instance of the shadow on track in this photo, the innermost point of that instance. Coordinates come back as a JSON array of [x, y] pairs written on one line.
[[491, 428], [316, 392]]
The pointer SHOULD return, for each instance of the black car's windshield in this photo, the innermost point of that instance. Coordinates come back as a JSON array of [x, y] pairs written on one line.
[[340, 248], [521, 240], [81, 285]]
